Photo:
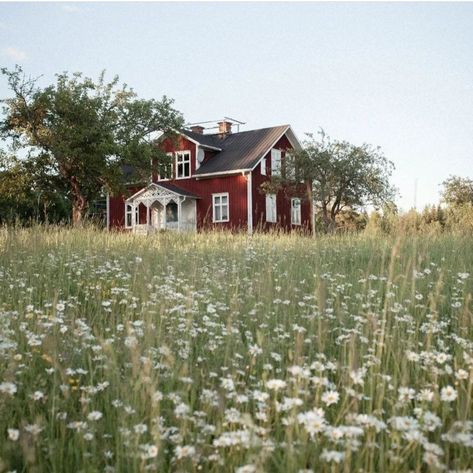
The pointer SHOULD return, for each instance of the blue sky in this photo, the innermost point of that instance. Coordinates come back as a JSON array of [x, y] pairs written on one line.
[[397, 75]]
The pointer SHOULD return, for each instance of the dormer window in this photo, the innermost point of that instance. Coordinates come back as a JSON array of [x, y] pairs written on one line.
[[183, 164]]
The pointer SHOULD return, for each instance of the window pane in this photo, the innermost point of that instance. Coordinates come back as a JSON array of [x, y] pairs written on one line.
[[225, 212], [224, 199], [217, 213]]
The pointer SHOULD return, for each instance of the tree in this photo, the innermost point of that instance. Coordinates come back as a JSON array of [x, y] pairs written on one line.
[[339, 176], [77, 134], [23, 199], [457, 191]]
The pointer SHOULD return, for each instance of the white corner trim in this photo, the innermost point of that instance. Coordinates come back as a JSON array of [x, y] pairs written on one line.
[[249, 202]]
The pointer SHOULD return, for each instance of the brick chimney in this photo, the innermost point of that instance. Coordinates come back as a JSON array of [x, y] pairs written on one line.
[[198, 129], [224, 127]]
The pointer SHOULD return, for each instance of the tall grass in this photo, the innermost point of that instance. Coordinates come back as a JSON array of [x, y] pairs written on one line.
[[220, 352]]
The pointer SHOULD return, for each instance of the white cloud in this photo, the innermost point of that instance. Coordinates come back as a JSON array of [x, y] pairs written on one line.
[[71, 8], [14, 53]]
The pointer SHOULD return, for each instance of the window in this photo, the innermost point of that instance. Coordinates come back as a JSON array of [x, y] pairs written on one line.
[[165, 169], [220, 207], [128, 216], [263, 167], [275, 162], [271, 214], [183, 164], [296, 211]]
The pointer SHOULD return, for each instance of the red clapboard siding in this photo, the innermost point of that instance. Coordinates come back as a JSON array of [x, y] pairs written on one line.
[[283, 199]]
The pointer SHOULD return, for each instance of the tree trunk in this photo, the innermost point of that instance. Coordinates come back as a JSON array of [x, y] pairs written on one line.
[[78, 211], [310, 197]]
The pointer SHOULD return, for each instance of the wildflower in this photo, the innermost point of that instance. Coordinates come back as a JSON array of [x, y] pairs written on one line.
[[425, 395], [448, 394], [461, 374], [330, 397], [276, 384], [95, 415], [140, 429], [13, 434], [33, 429], [37, 396], [332, 456], [313, 421], [406, 394], [184, 451], [8, 388], [148, 451]]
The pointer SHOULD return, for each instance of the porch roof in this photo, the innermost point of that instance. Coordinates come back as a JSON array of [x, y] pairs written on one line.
[[161, 190]]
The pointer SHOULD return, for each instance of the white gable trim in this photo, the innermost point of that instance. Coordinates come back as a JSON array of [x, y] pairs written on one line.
[[152, 186], [290, 136], [182, 133]]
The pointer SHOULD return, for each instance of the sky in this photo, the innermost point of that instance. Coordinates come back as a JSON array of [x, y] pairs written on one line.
[[395, 75]]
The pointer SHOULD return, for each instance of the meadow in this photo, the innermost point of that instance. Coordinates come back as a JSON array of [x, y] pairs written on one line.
[[224, 353]]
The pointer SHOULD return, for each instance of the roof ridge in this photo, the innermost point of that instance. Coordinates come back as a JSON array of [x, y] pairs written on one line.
[[248, 131]]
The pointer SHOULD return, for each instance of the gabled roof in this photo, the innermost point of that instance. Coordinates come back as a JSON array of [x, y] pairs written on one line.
[[239, 151], [163, 185]]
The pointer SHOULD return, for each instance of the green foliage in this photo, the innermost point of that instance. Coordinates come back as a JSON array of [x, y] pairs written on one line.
[[78, 133], [457, 191], [344, 177], [23, 200]]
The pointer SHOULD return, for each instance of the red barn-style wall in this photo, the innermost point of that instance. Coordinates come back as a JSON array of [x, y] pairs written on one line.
[[283, 200]]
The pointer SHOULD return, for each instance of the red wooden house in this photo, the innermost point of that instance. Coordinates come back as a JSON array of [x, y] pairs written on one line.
[[215, 181]]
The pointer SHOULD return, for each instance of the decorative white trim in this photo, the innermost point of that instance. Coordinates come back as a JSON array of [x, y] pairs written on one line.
[[222, 173], [249, 203], [221, 220]]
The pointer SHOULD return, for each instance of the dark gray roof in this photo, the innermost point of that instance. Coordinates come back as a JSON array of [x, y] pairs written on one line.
[[239, 150], [176, 189], [213, 141]]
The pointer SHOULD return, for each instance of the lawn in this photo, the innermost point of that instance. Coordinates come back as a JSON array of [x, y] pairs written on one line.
[[220, 352]]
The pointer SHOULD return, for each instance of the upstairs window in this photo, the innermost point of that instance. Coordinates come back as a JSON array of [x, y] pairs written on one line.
[[183, 164], [296, 211], [165, 170], [220, 207], [271, 212], [263, 167], [275, 162]]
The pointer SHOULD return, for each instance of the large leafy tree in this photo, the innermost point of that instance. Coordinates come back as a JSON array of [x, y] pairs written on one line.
[[339, 176], [457, 191], [76, 134]]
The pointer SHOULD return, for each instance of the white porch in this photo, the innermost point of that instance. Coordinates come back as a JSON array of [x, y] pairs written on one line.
[[161, 207]]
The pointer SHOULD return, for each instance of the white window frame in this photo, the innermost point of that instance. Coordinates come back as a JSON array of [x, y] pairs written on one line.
[[263, 167], [171, 164], [179, 155], [271, 208], [276, 155], [296, 214], [217, 202], [129, 213]]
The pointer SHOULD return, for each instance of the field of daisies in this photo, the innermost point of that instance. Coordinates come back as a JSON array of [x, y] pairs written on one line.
[[224, 353]]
